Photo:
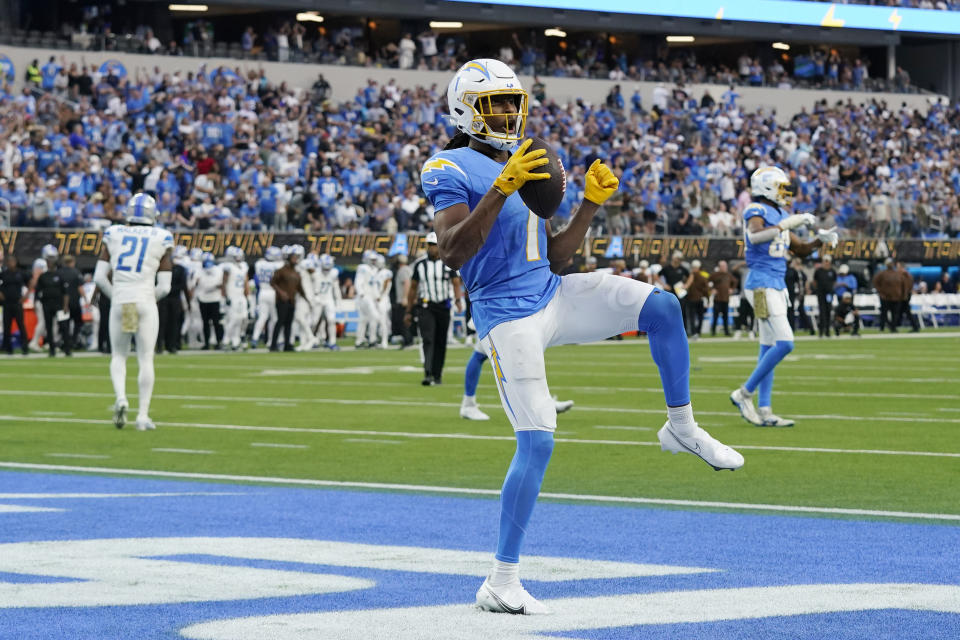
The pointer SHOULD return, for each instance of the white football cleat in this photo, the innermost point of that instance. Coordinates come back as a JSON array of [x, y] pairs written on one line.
[[145, 424], [701, 444], [472, 412], [744, 403], [562, 406], [772, 420], [120, 414], [509, 598]]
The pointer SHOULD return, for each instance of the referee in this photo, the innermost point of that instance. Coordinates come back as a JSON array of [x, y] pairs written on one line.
[[432, 285]]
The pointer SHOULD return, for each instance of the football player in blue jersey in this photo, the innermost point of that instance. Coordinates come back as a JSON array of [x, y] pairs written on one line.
[[507, 256], [769, 237]]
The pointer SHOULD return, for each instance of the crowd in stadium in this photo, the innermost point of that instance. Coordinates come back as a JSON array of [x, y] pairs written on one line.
[[224, 152]]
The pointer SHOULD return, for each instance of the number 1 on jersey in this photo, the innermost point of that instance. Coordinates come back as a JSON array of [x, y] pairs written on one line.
[[533, 237], [131, 243]]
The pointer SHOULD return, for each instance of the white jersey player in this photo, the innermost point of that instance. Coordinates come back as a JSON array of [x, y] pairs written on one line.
[[382, 281], [326, 285], [235, 283], [193, 322], [303, 308], [365, 285], [266, 297], [48, 260], [134, 270]]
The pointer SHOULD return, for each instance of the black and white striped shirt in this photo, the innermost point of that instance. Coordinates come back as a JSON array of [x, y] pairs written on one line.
[[433, 280]]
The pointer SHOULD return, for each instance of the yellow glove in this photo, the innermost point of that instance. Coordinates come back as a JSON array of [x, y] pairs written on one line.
[[601, 183], [518, 169]]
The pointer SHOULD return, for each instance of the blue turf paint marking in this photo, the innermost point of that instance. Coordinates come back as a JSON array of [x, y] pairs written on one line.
[[748, 550]]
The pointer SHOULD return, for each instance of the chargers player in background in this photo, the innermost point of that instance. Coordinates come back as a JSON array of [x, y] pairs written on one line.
[[365, 287], [382, 281], [134, 272], [768, 240], [235, 283], [506, 256], [471, 378], [304, 310], [46, 262], [266, 297], [326, 283]]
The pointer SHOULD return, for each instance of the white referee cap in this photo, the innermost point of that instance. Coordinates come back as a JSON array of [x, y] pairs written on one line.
[[432, 238]]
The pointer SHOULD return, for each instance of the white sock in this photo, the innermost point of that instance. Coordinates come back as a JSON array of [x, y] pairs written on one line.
[[469, 401], [745, 393], [504, 573], [118, 375], [682, 419]]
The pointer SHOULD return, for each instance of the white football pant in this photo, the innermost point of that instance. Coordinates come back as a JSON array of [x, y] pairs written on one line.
[[266, 312], [147, 329]]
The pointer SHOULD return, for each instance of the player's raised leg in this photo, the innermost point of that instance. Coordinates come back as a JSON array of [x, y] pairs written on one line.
[[595, 306]]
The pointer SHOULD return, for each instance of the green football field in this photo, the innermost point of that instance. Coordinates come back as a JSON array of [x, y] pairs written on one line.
[[877, 420]]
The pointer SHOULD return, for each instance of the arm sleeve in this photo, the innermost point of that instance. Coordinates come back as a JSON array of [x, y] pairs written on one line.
[[764, 235], [164, 279], [445, 183], [101, 278]]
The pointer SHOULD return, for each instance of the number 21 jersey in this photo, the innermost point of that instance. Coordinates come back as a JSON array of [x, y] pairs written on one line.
[[135, 254]]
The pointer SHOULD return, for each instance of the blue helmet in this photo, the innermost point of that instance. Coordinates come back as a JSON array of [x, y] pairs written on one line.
[[141, 209]]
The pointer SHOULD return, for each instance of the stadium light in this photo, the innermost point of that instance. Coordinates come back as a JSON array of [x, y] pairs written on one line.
[[188, 7], [680, 38], [555, 33], [783, 46], [309, 16], [437, 24]]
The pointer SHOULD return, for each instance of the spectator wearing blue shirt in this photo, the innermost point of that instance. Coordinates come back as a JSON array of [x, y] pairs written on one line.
[[267, 194], [846, 281], [49, 73], [250, 212], [327, 188], [67, 210]]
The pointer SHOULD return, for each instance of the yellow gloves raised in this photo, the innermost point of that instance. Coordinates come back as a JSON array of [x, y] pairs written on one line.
[[518, 172], [600, 183]]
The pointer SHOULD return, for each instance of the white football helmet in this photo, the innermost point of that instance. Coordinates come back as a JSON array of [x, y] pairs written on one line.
[[773, 184], [179, 252], [49, 252], [235, 253], [298, 250], [273, 254], [470, 97], [196, 254], [141, 209], [326, 262], [379, 261]]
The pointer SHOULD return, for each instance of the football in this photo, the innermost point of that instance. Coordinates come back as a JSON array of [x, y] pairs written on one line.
[[543, 197]]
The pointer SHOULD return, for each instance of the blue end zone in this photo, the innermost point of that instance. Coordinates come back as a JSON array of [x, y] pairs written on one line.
[[746, 550]]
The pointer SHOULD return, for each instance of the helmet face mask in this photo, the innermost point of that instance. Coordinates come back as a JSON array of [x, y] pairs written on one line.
[[475, 97]]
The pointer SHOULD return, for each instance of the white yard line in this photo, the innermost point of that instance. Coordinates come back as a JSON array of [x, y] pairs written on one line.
[[373, 440], [100, 496], [205, 452], [740, 506], [471, 436], [203, 406], [90, 456], [275, 403], [279, 445], [16, 508], [52, 413]]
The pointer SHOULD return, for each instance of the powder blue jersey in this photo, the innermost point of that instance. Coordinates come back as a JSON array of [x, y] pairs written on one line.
[[767, 261], [510, 276]]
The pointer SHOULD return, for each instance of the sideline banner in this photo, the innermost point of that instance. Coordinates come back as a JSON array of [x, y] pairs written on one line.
[[347, 248]]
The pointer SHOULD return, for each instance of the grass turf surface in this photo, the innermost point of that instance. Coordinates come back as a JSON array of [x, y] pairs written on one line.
[[894, 394]]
